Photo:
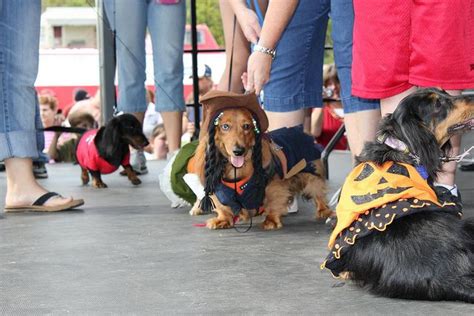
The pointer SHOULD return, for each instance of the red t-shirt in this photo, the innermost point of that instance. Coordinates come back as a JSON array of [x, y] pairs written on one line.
[[88, 156]]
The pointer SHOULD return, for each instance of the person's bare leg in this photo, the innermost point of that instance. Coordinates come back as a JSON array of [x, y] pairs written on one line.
[[316, 122], [388, 105], [361, 128], [307, 121], [285, 119], [241, 48], [22, 187], [448, 173], [173, 128]]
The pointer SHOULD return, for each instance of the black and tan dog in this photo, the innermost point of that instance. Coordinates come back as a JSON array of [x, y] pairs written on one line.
[[104, 150], [242, 167], [394, 235]]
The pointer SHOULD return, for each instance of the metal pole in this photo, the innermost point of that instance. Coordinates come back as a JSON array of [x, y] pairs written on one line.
[[194, 53], [107, 62], [330, 146]]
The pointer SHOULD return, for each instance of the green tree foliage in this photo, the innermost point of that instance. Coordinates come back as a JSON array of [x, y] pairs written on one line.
[[207, 12], [67, 3]]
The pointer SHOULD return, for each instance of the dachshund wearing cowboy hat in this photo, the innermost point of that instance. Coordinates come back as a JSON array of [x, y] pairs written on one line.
[[246, 171]]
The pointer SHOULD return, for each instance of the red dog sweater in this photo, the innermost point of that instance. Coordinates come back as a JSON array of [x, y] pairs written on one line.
[[88, 156]]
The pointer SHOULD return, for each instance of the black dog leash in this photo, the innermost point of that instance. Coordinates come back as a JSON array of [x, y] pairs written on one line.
[[236, 218]]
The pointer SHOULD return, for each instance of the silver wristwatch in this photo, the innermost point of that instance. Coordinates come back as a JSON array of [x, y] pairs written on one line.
[[261, 49]]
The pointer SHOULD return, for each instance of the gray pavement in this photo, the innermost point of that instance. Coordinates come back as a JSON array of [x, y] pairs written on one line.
[[128, 252]]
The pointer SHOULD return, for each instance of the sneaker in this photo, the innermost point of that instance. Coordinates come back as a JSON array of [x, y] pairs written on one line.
[[138, 162], [39, 170], [467, 167], [445, 195]]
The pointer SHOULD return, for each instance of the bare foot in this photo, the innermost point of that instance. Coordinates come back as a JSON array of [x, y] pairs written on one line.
[[27, 196], [22, 187]]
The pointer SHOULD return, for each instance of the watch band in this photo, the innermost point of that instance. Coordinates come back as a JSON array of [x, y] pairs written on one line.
[[268, 51]]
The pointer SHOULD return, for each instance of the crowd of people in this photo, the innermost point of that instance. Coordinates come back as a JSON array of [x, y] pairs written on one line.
[[274, 49]]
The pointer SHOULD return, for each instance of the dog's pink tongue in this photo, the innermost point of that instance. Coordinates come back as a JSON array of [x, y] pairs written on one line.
[[237, 161]]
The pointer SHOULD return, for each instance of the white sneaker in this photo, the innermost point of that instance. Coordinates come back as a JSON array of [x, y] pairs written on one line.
[[138, 162], [293, 207]]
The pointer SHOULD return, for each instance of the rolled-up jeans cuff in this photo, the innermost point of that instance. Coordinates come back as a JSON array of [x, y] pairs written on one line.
[[18, 144]]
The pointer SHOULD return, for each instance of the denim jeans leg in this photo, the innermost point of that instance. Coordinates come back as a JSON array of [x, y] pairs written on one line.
[[167, 27], [296, 74], [342, 16], [130, 21], [19, 54]]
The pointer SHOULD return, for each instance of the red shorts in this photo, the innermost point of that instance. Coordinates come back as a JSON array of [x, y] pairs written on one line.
[[403, 43]]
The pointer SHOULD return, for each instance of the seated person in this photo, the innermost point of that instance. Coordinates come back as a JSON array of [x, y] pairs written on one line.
[[326, 121], [158, 145], [49, 116], [91, 106], [205, 85], [152, 118], [65, 150]]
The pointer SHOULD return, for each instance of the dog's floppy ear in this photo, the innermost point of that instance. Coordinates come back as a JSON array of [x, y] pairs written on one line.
[[257, 161], [111, 139], [213, 170], [407, 124]]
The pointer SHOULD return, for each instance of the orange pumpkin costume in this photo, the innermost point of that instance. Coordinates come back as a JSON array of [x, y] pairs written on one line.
[[398, 190]]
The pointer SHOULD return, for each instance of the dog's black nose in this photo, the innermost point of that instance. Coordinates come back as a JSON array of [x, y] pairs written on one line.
[[238, 151]]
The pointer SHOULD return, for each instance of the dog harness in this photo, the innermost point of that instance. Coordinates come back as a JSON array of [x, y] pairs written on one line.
[[292, 152], [373, 197], [88, 156]]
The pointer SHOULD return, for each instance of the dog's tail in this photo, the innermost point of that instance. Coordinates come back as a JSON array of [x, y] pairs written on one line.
[[65, 129]]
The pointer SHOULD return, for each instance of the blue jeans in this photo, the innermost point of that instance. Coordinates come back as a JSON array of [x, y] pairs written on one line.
[[19, 47], [342, 16], [296, 74], [166, 24]]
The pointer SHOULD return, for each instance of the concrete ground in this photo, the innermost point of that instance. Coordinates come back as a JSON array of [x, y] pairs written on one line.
[[128, 252]]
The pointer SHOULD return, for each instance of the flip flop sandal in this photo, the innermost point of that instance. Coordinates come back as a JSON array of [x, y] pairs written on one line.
[[38, 205]]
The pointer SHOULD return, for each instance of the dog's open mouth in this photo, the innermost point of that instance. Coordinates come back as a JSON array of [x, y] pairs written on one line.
[[461, 127], [237, 161]]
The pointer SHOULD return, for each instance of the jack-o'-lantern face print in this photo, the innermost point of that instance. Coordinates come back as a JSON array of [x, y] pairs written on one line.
[[370, 179]]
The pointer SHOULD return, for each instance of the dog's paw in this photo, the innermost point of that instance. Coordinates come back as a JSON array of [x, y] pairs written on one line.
[[218, 223], [325, 213], [99, 185], [136, 181], [271, 224], [196, 211]]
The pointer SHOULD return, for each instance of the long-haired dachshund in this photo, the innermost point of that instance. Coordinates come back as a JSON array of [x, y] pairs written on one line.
[[102, 151], [240, 166], [394, 236]]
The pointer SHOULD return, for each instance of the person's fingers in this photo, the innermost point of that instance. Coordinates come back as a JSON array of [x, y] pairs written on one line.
[[257, 28], [253, 37], [244, 79], [250, 80]]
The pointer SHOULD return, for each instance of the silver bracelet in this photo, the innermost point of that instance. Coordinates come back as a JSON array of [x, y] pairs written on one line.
[[261, 49]]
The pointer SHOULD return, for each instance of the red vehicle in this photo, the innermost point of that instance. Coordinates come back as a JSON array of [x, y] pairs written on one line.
[[62, 71]]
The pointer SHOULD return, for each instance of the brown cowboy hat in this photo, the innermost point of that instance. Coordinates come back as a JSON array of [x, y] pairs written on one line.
[[216, 101]]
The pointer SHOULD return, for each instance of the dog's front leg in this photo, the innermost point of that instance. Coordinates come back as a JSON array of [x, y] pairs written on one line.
[[275, 203], [196, 210], [84, 176], [132, 176], [97, 180], [224, 217]]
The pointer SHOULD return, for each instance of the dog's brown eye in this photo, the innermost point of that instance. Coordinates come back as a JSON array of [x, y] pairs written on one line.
[[225, 127], [246, 126]]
